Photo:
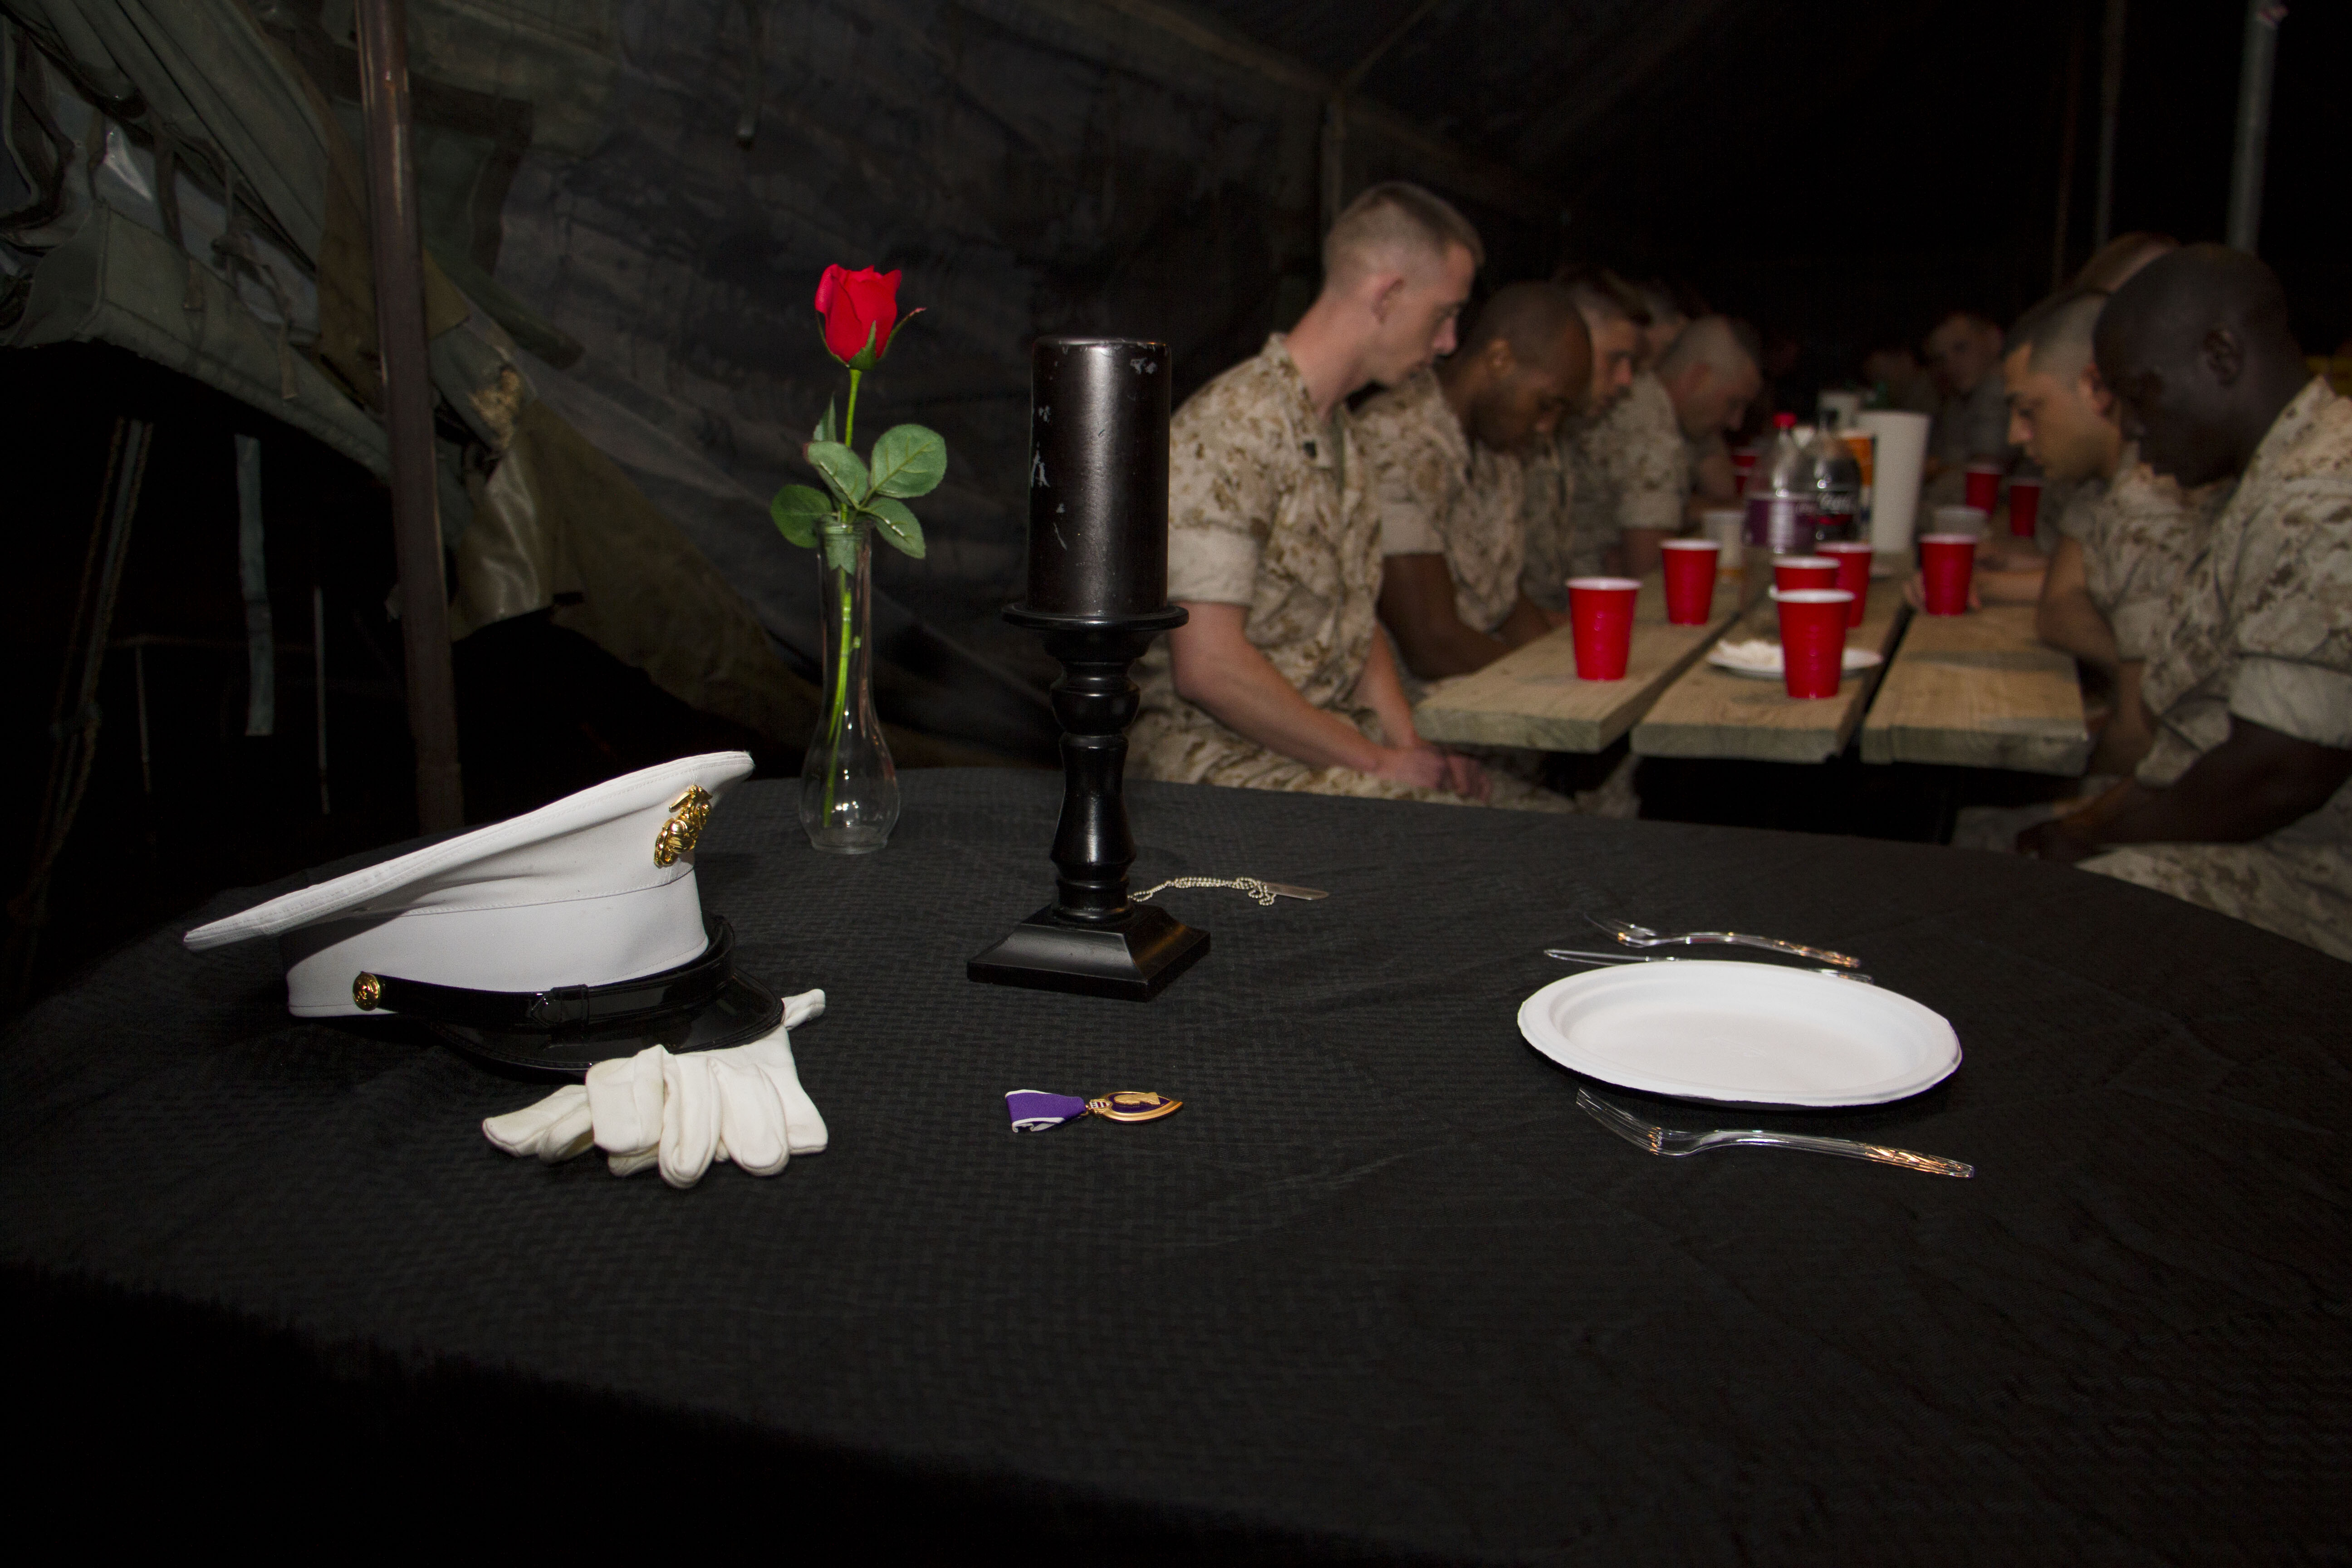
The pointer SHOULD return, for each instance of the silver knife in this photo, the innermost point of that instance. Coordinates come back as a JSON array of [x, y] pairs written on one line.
[[1576, 956]]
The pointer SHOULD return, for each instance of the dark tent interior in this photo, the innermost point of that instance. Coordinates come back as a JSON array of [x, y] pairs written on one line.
[[415, 409], [640, 193]]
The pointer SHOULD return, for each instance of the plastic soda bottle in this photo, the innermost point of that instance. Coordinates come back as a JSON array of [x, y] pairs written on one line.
[[1783, 502]]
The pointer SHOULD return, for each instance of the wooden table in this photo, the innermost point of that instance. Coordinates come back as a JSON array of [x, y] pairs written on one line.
[[1531, 695], [1711, 712], [1979, 691]]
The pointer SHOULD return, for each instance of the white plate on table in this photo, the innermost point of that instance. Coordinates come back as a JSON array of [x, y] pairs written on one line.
[[1750, 1034], [1762, 667]]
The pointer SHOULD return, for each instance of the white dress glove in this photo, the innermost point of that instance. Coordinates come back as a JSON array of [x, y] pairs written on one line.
[[680, 1112]]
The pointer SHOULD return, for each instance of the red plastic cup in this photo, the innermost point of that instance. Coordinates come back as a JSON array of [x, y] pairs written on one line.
[[1812, 639], [1793, 572], [1600, 617], [1690, 580], [1743, 465], [1853, 558], [1946, 562], [2024, 507], [1983, 487]]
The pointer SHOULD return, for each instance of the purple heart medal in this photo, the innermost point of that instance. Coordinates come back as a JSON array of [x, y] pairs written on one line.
[[1033, 1109]]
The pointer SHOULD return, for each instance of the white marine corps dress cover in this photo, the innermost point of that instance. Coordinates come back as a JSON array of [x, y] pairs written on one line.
[[569, 942]]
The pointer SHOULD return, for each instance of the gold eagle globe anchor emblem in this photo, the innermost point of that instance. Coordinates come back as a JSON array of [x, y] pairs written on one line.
[[687, 814]]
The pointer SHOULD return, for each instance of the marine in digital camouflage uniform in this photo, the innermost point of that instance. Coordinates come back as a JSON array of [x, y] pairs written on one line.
[[1270, 509], [1437, 492], [1548, 520], [2138, 538], [1632, 470], [2262, 630], [2073, 502]]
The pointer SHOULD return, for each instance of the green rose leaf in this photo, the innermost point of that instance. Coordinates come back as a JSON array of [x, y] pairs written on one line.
[[826, 430], [841, 548], [909, 461], [798, 510], [896, 524], [842, 471]]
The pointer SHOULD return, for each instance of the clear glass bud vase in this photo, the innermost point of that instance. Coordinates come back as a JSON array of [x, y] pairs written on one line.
[[849, 787]]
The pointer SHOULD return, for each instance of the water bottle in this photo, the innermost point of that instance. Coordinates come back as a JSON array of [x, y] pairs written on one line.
[[1783, 502], [1837, 486]]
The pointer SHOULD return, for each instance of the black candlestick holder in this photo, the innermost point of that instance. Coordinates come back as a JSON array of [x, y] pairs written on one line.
[[1094, 940], [1098, 591]]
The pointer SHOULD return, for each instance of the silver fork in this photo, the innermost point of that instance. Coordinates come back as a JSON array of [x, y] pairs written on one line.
[[1663, 1140], [1633, 935]]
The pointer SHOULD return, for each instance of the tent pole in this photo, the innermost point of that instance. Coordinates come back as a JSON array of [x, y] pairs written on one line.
[[397, 247], [2111, 93], [2262, 19]]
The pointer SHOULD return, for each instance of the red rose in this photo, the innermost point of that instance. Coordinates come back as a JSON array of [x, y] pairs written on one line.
[[859, 310]]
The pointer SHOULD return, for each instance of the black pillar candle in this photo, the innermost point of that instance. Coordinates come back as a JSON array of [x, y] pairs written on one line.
[[1097, 476], [1098, 592]]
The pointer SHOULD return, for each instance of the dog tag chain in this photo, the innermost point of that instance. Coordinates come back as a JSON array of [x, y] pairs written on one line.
[[1264, 893]]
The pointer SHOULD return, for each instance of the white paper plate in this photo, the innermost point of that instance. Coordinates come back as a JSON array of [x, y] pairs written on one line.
[[1855, 659], [1755, 1033]]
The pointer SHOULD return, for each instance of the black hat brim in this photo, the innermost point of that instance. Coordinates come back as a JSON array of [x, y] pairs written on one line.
[[739, 1012]]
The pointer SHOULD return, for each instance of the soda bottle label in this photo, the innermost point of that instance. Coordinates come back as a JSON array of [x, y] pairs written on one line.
[[1781, 523]]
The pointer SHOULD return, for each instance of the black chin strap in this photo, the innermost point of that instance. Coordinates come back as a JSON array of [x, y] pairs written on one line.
[[622, 1002]]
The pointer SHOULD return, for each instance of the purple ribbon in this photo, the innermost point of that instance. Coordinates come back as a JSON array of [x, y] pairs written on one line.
[[1034, 1111]]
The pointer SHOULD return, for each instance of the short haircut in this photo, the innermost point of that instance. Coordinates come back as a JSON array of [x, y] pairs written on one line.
[[2115, 263], [1397, 214], [1530, 317], [1602, 296], [2164, 313], [2057, 332], [1711, 340]]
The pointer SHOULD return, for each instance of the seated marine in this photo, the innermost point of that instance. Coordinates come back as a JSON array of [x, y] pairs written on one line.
[[2128, 533], [1565, 537], [1443, 449], [1710, 377], [1281, 679], [1629, 461], [2243, 803]]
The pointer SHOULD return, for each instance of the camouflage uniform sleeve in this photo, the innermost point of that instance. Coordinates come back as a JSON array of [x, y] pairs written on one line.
[[1653, 467], [2076, 508], [1405, 527], [2292, 628], [1221, 506], [1545, 514], [1405, 474]]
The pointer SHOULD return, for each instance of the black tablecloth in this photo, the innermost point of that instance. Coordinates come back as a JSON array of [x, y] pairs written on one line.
[[1378, 1288]]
